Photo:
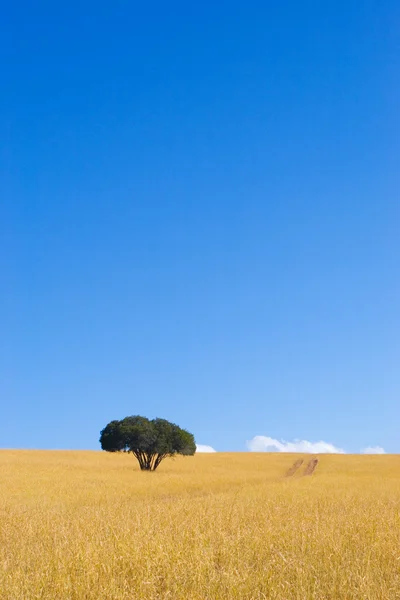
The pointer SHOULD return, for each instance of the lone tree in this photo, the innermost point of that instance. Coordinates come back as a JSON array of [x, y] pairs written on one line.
[[149, 441]]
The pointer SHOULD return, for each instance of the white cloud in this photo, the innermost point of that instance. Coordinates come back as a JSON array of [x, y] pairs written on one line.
[[262, 443], [373, 450], [202, 448]]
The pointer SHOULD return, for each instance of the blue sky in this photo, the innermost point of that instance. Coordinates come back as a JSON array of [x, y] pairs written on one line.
[[199, 220]]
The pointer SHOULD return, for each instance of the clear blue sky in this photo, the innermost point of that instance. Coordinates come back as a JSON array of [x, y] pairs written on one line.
[[199, 220]]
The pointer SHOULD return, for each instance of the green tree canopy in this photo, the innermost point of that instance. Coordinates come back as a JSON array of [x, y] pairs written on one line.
[[150, 441]]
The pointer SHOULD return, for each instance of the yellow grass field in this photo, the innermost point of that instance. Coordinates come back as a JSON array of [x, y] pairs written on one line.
[[91, 526]]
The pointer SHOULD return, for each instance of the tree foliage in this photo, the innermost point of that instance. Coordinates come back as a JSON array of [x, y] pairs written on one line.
[[150, 441]]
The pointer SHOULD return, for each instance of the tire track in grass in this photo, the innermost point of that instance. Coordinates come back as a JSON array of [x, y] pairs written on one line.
[[312, 465], [295, 467]]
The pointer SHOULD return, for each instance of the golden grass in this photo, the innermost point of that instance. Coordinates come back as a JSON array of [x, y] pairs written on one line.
[[91, 526]]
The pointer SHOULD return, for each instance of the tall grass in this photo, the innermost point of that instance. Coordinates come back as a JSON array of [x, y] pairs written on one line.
[[91, 526]]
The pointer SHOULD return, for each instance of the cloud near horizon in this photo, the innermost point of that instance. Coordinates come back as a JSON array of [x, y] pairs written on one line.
[[373, 450], [262, 443], [202, 448]]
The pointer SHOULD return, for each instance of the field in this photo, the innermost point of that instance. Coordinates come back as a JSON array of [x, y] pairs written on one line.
[[91, 526]]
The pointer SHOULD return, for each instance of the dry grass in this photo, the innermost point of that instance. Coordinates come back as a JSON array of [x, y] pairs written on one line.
[[90, 526]]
